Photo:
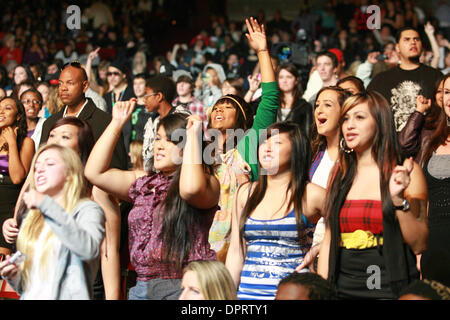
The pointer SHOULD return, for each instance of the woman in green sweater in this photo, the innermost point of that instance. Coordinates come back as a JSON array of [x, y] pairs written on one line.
[[236, 159]]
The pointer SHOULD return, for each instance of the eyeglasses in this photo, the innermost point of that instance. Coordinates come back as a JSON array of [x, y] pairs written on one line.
[[75, 64], [30, 101], [115, 73], [150, 94]]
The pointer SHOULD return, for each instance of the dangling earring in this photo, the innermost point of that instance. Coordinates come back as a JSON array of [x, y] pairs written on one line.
[[344, 147]]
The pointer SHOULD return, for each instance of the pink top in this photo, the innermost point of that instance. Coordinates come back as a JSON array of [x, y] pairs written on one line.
[[145, 225]]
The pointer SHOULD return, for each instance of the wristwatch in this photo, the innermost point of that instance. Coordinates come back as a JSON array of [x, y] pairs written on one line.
[[404, 206]]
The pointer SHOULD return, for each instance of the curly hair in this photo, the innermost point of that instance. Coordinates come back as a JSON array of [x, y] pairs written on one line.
[[21, 121]]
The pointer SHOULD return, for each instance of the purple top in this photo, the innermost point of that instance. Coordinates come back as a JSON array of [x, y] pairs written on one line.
[[30, 133], [145, 225], [4, 164]]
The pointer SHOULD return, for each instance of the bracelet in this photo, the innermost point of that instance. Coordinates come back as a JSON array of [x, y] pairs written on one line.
[[262, 50]]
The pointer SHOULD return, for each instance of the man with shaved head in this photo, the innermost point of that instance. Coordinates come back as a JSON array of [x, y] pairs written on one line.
[[73, 84]]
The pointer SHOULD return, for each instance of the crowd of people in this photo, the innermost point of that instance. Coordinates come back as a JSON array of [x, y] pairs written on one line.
[[259, 159]]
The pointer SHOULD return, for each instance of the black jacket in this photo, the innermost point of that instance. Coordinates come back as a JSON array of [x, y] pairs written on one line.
[[98, 120], [302, 114]]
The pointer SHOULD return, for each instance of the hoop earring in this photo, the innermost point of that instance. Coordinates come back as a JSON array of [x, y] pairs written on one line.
[[344, 147]]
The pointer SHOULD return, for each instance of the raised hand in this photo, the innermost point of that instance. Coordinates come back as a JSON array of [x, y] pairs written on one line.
[[372, 57], [399, 181], [10, 135], [256, 35], [33, 199], [422, 104], [122, 111], [93, 54], [194, 122], [429, 29], [254, 82]]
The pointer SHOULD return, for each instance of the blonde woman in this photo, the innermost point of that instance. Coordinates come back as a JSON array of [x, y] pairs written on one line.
[[61, 233], [54, 103], [207, 280], [136, 159]]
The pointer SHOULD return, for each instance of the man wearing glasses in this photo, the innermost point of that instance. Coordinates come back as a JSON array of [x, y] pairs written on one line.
[[120, 90], [159, 94]]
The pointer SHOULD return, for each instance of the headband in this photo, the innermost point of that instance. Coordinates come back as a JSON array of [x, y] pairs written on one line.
[[242, 109]]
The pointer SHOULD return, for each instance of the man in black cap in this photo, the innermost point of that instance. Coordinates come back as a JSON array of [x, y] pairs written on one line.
[[119, 90]]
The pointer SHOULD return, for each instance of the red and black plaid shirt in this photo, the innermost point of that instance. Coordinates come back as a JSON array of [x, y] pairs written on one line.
[[364, 215]]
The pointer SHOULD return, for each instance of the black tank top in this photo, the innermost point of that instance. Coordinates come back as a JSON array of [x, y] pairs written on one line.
[[438, 197]]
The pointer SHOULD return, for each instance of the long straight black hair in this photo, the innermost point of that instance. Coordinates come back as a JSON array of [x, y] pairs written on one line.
[[385, 151], [299, 168], [179, 218]]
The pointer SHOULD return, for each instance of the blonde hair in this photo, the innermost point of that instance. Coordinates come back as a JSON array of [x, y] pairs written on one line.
[[136, 154], [54, 103], [214, 279], [32, 226]]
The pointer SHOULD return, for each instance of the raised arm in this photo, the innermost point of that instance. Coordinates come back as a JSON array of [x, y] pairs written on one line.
[[199, 189], [97, 170], [19, 160], [257, 40], [81, 232], [408, 182], [409, 136], [254, 83], [266, 113], [429, 30]]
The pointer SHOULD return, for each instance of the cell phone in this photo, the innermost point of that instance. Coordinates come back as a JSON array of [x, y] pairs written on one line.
[[381, 57], [17, 258]]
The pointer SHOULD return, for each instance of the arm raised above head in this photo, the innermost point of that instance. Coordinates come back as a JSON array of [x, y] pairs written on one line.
[[198, 188], [408, 182], [97, 169]]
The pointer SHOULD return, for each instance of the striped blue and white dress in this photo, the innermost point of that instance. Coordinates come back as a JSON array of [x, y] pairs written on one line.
[[273, 252]]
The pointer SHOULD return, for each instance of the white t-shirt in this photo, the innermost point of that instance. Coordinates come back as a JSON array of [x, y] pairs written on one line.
[[320, 178]]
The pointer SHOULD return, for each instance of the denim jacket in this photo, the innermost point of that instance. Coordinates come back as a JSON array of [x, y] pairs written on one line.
[[81, 234]]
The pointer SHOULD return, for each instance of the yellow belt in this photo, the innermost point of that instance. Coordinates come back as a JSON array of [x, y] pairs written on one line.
[[360, 239]]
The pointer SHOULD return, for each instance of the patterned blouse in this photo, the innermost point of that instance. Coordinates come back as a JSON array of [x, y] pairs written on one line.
[[145, 225], [231, 172]]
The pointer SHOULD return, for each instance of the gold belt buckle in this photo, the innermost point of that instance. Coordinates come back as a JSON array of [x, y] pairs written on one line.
[[359, 239]]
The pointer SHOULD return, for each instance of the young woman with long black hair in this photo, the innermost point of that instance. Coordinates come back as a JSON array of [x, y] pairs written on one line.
[[376, 208], [172, 213], [273, 218]]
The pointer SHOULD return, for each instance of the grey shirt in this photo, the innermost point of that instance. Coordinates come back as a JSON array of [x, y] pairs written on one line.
[[81, 233]]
